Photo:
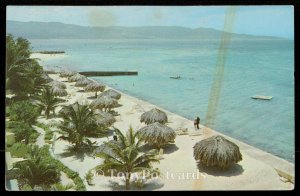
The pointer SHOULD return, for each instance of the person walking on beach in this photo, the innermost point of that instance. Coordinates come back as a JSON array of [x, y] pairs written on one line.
[[197, 122], [115, 137]]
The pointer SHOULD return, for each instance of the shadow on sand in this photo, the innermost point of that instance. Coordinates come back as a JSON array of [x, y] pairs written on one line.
[[148, 186], [119, 105], [56, 115], [70, 152], [145, 148], [80, 91], [91, 97], [153, 185], [109, 133], [235, 170], [168, 149]]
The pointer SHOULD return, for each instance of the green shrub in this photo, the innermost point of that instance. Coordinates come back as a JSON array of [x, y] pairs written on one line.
[[36, 172], [24, 111], [23, 131], [9, 124], [44, 152], [89, 177], [79, 184], [60, 187], [26, 188], [48, 135], [28, 151], [73, 174], [10, 138], [33, 136], [19, 150], [7, 111]]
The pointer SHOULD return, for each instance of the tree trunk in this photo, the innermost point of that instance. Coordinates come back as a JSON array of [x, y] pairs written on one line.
[[157, 146], [47, 112], [127, 185]]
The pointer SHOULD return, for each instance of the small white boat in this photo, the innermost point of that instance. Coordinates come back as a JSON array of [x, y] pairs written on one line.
[[262, 97]]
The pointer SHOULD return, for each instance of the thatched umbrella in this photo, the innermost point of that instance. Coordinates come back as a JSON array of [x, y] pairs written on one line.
[[157, 134], [59, 91], [70, 73], [104, 148], [83, 82], [111, 93], [104, 102], [95, 87], [46, 78], [57, 84], [76, 77], [67, 73], [154, 115], [104, 118], [62, 73], [217, 151]]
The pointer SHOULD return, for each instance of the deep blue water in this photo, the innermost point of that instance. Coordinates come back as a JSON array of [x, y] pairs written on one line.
[[252, 67]]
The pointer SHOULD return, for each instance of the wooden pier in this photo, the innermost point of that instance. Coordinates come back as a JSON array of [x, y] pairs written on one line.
[[108, 73], [102, 73]]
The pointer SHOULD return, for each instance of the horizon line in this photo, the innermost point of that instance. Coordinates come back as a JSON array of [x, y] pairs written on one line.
[[287, 38]]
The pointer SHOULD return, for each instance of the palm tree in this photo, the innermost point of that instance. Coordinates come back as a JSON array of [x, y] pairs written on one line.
[[79, 122], [61, 187], [36, 73], [48, 101], [124, 156], [34, 172], [21, 70], [130, 139]]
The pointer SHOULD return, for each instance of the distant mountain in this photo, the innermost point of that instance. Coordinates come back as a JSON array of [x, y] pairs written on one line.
[[56, 30]]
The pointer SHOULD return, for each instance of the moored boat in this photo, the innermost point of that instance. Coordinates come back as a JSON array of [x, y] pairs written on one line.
[[263, 97]]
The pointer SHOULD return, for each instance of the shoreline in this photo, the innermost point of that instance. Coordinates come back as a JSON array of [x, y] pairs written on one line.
[[244, 124], [284, 167], [259, 170], [255, 172], [245, 145]]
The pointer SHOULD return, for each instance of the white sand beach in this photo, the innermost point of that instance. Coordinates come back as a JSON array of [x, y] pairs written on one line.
[[178, 167], [45, 57], [145, 75]]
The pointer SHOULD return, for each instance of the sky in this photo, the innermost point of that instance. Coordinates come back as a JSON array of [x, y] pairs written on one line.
[[255, 20]]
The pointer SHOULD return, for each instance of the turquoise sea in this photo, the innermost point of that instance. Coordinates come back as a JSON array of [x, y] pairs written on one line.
[[253, 67]]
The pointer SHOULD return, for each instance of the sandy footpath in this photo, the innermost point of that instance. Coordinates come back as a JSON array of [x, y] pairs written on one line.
[[178, 167]]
